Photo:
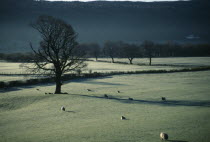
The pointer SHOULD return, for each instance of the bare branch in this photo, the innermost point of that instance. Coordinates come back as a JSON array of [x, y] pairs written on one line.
[[58, 52]]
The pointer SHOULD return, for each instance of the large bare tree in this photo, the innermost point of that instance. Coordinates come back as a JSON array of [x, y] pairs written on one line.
[[58, 52]]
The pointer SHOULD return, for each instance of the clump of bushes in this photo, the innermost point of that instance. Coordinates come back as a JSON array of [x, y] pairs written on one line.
[[17, 57], [2, 84]]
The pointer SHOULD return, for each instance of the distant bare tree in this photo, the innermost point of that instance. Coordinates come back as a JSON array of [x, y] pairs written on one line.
[[112, 49], [85, 48], [148, 50], [58, 52], [131, 51], [95, 50], [91, 50]]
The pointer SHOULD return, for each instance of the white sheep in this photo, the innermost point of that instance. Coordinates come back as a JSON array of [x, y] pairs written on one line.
[[63, 108], [163, 136], [123, 118]]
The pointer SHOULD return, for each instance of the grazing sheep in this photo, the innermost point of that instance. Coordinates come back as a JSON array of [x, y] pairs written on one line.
[[106, 96], [89, 90], [130, 99], [118, 91], [163, 99], [123, 118], [63, 108], [163, 136]]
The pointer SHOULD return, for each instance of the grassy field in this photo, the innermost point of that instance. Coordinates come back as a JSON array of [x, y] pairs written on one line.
[[190, 61], [8, 67], [28, 115], [14, 68]]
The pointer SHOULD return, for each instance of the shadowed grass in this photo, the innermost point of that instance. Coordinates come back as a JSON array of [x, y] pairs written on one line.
[[17, 102], [153, 102], [176, 141], [28, 115]]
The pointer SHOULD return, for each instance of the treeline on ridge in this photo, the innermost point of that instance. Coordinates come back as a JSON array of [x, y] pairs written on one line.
[[119, 49], [147, 49]]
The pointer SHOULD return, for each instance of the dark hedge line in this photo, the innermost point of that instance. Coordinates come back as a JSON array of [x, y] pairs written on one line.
[[67, 77]]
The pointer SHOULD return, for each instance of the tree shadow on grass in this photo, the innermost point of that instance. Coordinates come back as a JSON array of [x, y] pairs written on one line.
[[70, 111], [101, 83], [17, 102], [92, 81], [176, 141], [76, 80], [2, 90], [171, 102], [153, 102], [22, 87]]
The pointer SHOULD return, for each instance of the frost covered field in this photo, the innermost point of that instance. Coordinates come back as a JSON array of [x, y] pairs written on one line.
[[28, 115], [14, 68], [192, 61], [8, 67]]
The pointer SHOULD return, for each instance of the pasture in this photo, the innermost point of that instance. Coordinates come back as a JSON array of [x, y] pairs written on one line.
[[28, 114], [169, 64], [189, 61], [12, 69]]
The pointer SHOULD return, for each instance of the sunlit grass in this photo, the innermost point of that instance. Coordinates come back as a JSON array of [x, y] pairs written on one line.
[[27, 114]]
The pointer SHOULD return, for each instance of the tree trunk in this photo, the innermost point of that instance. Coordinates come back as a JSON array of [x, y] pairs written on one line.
[[150, 61], [130, 60], [58, 84], [112, 59]]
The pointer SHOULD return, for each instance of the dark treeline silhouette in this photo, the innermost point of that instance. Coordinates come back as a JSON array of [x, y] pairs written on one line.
[[17, 57], [119, 49], [147, 49], [91, 49]]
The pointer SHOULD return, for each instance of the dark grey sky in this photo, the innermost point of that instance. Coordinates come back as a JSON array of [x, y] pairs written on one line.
[[116, 0], [99, 22]]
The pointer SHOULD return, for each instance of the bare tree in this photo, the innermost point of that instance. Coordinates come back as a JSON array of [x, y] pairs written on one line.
[[95, 50], [131, 51], [149, 50], [58, 52], [91, 50], [112, 49]]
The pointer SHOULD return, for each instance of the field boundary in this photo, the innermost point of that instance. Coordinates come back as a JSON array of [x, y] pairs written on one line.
[[66, 77], [146, 64]]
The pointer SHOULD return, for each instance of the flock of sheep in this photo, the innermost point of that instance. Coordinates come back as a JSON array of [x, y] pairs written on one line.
[[163, 136]]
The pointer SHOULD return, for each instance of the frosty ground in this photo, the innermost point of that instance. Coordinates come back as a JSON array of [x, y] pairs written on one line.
[[27, 114]]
